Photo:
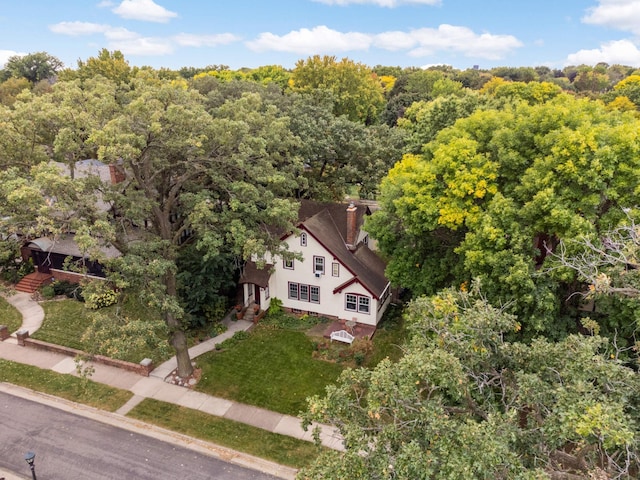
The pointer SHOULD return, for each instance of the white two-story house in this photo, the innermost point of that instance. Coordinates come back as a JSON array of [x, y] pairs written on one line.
[[338, 277]]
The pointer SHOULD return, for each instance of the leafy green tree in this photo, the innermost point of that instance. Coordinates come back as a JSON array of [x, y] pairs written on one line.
[[26, 132], [357, 93], [340, 154], [472, 78], [110, 65], [516, 74], [271, 74], [10, 88], [491, 193], [629, 88], [189, 72], [41, 201], [464, 402], [34, 66], [221, 178], [78, 108], [424, 120], [591, 81], [205, 285], [415, 86], [532, 92]]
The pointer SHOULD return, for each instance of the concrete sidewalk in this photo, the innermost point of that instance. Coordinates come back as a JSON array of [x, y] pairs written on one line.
[[154, 386]]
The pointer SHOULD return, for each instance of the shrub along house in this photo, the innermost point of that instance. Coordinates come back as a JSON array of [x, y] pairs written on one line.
[[339, 276]]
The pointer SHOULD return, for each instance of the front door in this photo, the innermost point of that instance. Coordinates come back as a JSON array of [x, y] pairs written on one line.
[[41, 261], [256, 295]]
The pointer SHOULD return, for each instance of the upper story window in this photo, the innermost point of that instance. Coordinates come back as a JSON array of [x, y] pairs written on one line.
[[318, 265], [303, 239], [335, 269], [288, 264]]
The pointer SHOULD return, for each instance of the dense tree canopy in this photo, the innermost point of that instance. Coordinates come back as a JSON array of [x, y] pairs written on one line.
[[357, 93], [111, 65], [34, 66], [221, 178], [341, 156], [490, 191], [463, 402]]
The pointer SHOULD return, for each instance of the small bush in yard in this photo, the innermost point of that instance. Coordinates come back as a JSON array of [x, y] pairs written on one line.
[[96, 301], [98, 295], [48, 292], [230, 342], [69, 289]]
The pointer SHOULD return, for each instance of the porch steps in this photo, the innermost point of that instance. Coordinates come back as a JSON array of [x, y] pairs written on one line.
[[32, 282], [249, 315]]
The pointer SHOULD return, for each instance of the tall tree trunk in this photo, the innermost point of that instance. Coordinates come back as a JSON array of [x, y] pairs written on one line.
[[177, 339]]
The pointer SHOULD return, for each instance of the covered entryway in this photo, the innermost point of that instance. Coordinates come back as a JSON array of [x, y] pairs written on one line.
[[255, 285]]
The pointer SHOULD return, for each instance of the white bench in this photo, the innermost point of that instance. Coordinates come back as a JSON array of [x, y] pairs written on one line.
[[342, 336]]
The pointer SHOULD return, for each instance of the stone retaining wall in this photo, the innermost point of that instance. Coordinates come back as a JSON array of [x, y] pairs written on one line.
[[143, 368]]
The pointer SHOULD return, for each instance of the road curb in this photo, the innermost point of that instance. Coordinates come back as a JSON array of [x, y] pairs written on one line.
[[150, 430]]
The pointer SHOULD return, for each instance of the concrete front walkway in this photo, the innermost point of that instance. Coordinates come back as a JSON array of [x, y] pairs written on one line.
[[32, 312], [154, 386]]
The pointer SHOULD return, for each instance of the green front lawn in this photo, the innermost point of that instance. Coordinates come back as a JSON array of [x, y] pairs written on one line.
[[238, 436], [272, 369], [9, 316], [65, 321]]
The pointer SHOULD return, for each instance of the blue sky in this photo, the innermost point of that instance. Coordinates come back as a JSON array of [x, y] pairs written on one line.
[[251, 33]]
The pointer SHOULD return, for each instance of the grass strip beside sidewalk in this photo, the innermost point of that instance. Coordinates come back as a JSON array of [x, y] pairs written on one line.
[[65, 386], [228, 433]]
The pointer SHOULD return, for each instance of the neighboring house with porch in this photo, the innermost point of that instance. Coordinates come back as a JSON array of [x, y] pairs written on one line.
[[339, 276], [50, 255]]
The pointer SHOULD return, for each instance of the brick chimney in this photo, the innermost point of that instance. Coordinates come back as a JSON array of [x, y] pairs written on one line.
[[117, 173], [352, 226]]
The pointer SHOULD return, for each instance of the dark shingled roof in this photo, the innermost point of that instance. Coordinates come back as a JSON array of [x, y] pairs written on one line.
[[327, 223], [252, 274], [364, 264], [337, 211]]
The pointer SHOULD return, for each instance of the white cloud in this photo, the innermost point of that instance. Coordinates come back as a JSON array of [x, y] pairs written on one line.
[[132, 43], [395, 40], [6, 54], [622, 52], [380, 3], [317, 40], [118, 38], [145, 10], [618, 14], [417, 43], [121, 34], [191, 40], [142, 46], [451, 38], [79, 28]]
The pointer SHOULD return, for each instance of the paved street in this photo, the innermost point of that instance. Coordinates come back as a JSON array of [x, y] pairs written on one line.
[[70, 447]]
